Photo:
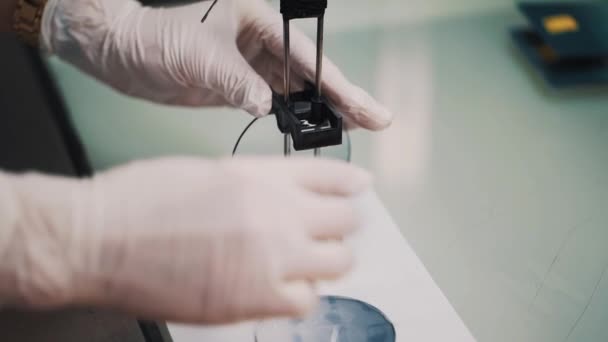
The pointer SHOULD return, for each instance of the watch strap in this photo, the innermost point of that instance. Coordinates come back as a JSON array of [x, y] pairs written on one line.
[[27, 20]]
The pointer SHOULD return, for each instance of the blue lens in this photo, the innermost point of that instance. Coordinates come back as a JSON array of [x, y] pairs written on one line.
[[337, 319]]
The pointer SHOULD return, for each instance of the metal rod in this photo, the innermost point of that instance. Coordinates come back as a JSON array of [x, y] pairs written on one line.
[[287, 145], [287, 62], [319, 72], [286, 81]]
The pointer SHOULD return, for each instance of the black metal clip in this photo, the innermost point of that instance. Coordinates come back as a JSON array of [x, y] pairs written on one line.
[[306, 117]]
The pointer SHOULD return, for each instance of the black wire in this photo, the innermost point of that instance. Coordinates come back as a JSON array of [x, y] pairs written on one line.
[[209, 11], [238, 142]]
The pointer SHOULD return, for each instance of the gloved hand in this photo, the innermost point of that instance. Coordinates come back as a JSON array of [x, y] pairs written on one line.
[[179, 239], [167, 55]]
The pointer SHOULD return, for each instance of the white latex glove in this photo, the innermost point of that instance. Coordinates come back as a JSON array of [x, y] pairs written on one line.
[[179, 239], [167, 55]]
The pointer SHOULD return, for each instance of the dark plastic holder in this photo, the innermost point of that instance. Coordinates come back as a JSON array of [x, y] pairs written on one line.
[[310, 123]]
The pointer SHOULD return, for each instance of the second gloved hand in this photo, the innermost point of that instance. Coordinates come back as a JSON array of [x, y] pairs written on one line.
[[167, 55], [182, 239]]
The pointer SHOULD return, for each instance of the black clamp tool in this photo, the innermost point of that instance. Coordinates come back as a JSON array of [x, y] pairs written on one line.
[[306, 117]]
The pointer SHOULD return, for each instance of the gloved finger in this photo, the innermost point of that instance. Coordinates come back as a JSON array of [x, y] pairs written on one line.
[[241, 85], [349, 124], [329, 177], [297, 82], [276, 83], [271, 69], [329, 218], [327, 260], [321, 176], [349, 99], [191, 97], [296, 298], [275, 80]]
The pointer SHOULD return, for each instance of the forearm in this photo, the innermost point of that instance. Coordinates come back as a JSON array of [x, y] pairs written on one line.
[[33, 266], [7, 9], [8, 229]]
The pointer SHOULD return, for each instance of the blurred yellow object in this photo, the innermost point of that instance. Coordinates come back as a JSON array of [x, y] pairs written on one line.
[[563, 23]]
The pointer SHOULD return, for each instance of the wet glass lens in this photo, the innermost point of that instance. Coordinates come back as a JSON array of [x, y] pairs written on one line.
[[337, 319]]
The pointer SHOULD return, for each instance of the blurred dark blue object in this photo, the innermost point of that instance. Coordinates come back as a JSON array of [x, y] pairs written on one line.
[[589, 36], [566, 42], [337, 319]]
